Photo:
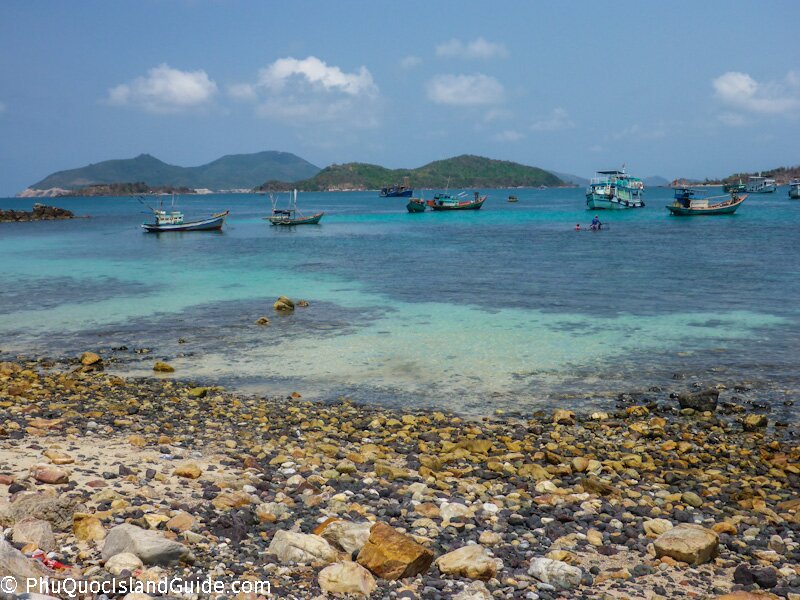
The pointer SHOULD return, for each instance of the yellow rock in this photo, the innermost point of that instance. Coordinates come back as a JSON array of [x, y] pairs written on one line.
[[90, 358], [87, 527], [189, 470], [161, 367]]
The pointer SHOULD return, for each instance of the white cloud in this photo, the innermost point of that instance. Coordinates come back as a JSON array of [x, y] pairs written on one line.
[[302, 91], [742, 92], [318, 74], [557, 119], [479, 48], [509, 135], [497, 114], [165, 90], [465, 90], [409, 62]]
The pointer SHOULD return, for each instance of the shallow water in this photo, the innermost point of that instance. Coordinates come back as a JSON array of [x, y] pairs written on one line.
[[506, 307]]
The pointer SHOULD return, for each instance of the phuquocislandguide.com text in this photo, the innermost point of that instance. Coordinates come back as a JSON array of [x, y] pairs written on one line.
[[80, 588]]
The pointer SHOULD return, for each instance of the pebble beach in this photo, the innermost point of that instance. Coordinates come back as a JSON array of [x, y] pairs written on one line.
[[111, 479]]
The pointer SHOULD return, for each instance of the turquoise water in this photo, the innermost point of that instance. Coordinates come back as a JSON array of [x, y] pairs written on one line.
[[507, 307]]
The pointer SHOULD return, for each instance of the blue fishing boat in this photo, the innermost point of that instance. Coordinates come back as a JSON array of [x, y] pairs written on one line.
[[442, 202], [398, 191], [614, 190]]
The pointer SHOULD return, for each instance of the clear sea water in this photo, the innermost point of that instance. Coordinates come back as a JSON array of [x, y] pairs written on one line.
[[503, 308]]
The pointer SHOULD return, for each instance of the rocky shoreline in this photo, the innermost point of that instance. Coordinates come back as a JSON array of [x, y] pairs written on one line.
[[109, 479], [40, 212]]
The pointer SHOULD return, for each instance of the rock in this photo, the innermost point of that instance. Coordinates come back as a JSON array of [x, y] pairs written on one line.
[[704, 400], [453, 510], [182, 521], [34, 531], [556, 573], [563, 417], [347, 536], [755, 422], [197, 392], [472, 562], [347, 578], [688, 543], [302, 548], [87, 528], [231, 499], [124, 561], [655, 527], [743, 595], [50, 475], [765, 577], [151, 547], [59, 458], [392, 555], [90, 358], [490, 538], [302, 303], [14, 563], [57, 510], [594, 537], [692, 499], [474, 591], [262, 321], [188, 470], [162, 367], [283, 304]]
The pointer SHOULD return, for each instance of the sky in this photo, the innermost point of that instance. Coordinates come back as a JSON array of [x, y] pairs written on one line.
[[677, 88]]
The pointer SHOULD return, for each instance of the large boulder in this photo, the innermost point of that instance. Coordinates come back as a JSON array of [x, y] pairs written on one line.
[[701, 401], [57, 510], [303, 548], [688, 543], [283, 304], [390, 554], [346, 535], [15, 564], [555, 572], [34, 531], [151, 547], [347, 578], [472, 562]]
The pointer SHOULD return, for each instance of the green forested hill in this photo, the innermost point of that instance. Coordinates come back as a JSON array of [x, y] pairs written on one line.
[[458, 172], [229, 172]]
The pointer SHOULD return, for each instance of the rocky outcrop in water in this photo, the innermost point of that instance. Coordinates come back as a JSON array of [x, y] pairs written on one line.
[[40, 212]]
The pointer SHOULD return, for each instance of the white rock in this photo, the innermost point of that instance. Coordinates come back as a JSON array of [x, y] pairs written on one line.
[[556, 573], [474, 591], [151, 547], [347, 578], [290, 546], [452, 510], [472, 562], [348, 536], [123, 561]]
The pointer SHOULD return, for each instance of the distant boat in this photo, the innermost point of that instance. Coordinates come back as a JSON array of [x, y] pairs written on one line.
[[513, 199], [398, 191], [290, 216], [174, 221], [614, 190], [689, 203], [761, 185], [416, 205], [442, 202], [738, 188], [794, 189]]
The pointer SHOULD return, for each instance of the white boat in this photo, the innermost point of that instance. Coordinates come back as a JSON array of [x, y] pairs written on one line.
[[794, 189], [174, 221], [614, 190], [761, 185]]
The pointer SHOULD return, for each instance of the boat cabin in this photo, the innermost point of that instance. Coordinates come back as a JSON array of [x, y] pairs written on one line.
[[163, 217]]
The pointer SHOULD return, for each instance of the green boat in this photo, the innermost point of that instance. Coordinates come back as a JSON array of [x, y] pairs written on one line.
[[734, 188], [416, 205], [688, 205]]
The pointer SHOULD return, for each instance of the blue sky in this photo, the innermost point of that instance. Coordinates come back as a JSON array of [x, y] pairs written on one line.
[[670, 88]]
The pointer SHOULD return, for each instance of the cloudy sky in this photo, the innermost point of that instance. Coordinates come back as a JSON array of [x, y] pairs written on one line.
[[673, 88]]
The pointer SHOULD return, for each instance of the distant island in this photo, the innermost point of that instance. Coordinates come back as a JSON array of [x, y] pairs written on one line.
[[233, 172], [465, 171], [781, 175]]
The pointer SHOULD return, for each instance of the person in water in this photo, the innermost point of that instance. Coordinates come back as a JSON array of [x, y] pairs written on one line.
[[577, 227], [596, 224]]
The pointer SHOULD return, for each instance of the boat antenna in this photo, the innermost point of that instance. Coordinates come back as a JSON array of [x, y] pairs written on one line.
[[140, 199]]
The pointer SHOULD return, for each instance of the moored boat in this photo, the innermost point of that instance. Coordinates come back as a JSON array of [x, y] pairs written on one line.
[[794, 189], [398, 191], [442, 202], [689, 203], [761, 185], [291, 216], [614, 190], [174, 220], [513, 199], [739, 188], [416, 205]]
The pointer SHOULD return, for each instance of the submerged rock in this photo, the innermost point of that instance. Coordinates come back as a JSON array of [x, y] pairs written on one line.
[[283, 304], [704, 400], [162, 367]]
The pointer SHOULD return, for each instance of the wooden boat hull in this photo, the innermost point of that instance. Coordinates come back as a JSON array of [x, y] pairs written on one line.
[[721, 208], [214, 223], [416, 206], [466, 205], [312, 220]]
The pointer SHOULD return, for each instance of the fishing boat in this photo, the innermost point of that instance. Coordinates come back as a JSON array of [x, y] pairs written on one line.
[[794, 189], [290, 216], [761, 185], [174, 220], [445, 201], [739, 188], [397, 191], [513, 199], [689, 203], [614, 190], [416, 205]]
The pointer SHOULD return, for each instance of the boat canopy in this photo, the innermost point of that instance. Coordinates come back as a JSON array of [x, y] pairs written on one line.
[[614, 172]]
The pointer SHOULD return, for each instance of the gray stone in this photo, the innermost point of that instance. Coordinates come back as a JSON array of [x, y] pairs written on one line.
[[151, 547], [34, 531]]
